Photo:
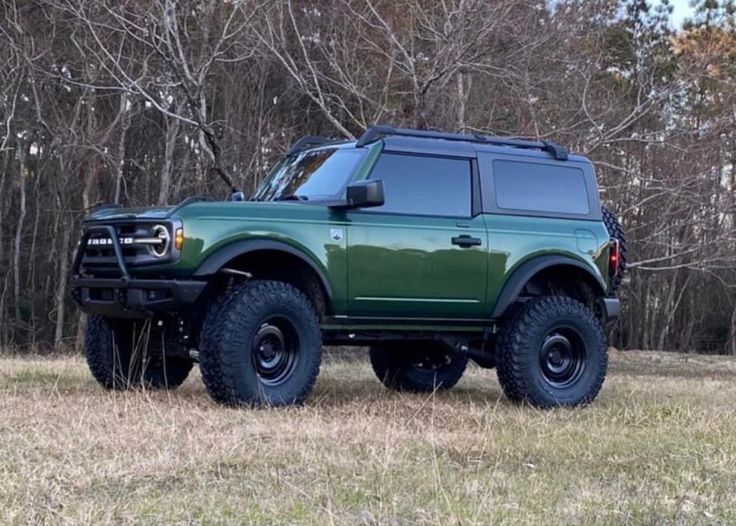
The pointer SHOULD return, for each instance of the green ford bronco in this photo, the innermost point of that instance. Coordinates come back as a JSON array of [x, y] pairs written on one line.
[[429, 248]]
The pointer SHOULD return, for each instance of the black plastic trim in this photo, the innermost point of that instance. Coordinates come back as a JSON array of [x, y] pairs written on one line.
[[130, 296], [423, 147], [476, 204], [218, 260], [110, 231], [375, 132], [378, 320], [611, 310], [306, 142], [103, 264], [521, 276]]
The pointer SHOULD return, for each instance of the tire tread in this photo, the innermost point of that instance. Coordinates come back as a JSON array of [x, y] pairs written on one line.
[[519, 332], [222, 345], [392, 371]]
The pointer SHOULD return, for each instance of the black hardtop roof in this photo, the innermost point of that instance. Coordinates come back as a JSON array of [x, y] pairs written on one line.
[[443, 143], [467, 150], [375, 132]]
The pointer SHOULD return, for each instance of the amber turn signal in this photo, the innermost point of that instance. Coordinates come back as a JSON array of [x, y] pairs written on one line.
[[179, 238]]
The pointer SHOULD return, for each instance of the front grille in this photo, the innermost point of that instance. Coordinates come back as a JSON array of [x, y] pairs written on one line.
[[136, 239]]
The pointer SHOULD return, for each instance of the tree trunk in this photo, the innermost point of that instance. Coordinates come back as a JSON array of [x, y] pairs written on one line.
[[124, 113], [6, 163], [61, 288], [172, 132], [460, 102], [732, 347], [31, 266], [19, 230], [669, 309], [648, 319]]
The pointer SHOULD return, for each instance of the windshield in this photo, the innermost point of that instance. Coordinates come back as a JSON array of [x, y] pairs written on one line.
[[310, 176]]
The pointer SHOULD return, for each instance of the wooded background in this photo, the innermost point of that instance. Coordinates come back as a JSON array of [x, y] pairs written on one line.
[[142, 102]]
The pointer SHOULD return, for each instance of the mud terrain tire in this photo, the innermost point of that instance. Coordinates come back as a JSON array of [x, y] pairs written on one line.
[[261, 346], [121, 355], [417, 367], [552, 353]]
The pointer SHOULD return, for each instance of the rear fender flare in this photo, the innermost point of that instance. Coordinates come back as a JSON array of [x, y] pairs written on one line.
[[526, 271]]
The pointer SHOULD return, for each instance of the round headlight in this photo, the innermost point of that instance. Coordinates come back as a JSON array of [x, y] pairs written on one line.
[[162, 248]]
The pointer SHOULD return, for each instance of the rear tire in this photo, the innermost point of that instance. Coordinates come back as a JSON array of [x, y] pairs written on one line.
[[417, 367], [616, 231], [261, 346], [552, 353], [126, 354]]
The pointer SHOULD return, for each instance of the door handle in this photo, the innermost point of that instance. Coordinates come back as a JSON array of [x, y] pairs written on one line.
[[466, 241]]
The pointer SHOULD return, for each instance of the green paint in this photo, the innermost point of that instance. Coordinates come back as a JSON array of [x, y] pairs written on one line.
[[385, 266]]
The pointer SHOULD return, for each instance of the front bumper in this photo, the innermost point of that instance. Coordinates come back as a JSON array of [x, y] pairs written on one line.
[[126, 296], [133, 298]]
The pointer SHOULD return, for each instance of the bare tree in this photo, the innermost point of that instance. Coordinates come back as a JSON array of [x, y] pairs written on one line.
[[141, 102]]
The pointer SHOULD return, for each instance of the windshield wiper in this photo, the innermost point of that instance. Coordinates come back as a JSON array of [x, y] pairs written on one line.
[[292, 197]]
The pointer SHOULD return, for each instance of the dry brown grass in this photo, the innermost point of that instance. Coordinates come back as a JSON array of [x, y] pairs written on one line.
[[657, 447]]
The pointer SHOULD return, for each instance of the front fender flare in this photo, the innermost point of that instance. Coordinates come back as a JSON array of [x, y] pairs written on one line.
[[216, 261], [526, 271]]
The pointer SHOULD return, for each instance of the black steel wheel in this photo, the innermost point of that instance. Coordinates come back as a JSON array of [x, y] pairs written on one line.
[[261, 345], [417, 366], [552, 353], [275, 350], [562, 357]]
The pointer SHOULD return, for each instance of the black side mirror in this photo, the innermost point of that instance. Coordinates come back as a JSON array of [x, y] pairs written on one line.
[[363, 194]]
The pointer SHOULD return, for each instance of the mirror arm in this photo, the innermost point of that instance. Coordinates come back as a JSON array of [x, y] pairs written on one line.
[[341, 204]]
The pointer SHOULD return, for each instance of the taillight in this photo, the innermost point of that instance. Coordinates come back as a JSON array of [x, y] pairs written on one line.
[[614, 257]]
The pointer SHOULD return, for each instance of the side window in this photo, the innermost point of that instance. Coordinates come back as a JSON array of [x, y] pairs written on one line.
[[536, 187], [424, 185]]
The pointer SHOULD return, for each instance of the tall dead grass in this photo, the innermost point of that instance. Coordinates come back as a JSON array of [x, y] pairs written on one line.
[[657, 447]]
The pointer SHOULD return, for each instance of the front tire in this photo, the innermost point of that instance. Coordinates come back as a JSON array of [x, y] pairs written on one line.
[[261, 346], [417, 367], [125, 354], [552, 353]]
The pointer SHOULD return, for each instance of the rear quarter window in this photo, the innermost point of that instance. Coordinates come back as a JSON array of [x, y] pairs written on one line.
[[536, 187]]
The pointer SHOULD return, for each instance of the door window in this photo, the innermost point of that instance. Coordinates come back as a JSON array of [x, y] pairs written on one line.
[[421, 185]]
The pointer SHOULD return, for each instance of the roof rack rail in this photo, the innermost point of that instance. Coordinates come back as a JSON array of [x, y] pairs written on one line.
[[306, 142], [376, 132]]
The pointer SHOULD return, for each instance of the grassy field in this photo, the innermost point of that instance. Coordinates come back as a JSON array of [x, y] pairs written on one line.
[[658, 447]]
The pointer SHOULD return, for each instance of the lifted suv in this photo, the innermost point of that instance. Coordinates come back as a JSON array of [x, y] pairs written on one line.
[[429, 248]]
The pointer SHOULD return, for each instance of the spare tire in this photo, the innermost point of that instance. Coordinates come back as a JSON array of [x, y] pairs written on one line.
[[616, 231]]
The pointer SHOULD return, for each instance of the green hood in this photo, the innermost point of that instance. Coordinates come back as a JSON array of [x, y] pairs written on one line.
[[108, 213], [251, 210], [197, 209]]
